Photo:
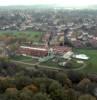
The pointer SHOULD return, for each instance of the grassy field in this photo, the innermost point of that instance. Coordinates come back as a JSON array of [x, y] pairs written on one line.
[[30, 35], [72, 64], [92, 62], [50, 63], [31, 60], [25, 59], [35, 36]]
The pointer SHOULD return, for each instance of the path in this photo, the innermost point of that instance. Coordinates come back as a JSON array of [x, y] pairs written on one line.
[[36, 65]]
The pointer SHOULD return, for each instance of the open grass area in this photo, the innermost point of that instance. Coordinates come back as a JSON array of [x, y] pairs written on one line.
[[25, 59], [50, 63], [30, 35], [30, 60], [92, 62], [72, 64]]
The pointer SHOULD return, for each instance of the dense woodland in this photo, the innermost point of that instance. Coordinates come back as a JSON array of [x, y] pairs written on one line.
[[17, 83]]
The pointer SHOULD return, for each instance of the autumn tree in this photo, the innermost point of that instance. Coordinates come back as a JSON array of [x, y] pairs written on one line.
[[5, 83], [25, 95], [56, 92], [22, 81], [86, 97], [75, 77], [83, 84], [70, 94], [11, 94], [41, 96], [32, 88], [63, 79]]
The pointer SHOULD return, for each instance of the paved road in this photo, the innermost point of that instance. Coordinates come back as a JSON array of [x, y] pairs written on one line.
[[80, 68], [36, 65]]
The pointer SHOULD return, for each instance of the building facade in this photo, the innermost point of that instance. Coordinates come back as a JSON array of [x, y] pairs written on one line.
[[42, 51]]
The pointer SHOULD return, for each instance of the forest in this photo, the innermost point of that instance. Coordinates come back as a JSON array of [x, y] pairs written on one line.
[[17, 83]]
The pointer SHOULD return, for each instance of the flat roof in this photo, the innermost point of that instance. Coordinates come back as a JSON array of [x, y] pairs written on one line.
[[43, 48], [33, 48], [82, 56]]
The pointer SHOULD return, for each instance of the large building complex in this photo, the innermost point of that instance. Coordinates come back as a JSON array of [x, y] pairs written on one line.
[[42, 51]]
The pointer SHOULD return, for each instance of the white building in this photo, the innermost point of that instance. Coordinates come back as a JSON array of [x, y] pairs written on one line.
[[81, 56], [68, 55]]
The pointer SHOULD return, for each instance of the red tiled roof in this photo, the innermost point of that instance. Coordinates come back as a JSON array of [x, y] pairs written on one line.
[[42, 50], [61, 49]]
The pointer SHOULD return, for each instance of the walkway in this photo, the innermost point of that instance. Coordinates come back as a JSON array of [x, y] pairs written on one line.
[[36, 65]]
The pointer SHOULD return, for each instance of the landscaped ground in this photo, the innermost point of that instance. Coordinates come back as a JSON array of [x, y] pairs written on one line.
[[72, 64], [50, 63], [92, 62], [31, 60], [30, 35], [25, 59]]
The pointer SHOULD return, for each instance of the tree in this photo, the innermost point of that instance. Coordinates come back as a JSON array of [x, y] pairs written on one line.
[[5, 83], [71, 94], [43, 83], [75, 77], [11, 94], [86, 97], [41, 96], [91, 88], [12, 48], [22, 81], [56, 91], [32, 88], [63, 79], [83, 84], [25, 95]]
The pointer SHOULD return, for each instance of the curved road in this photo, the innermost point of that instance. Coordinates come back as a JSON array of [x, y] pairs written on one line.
[[78, 69], [36, 64], [45, 67]]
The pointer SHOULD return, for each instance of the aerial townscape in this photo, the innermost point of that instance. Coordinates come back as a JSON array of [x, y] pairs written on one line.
[[48, 53]]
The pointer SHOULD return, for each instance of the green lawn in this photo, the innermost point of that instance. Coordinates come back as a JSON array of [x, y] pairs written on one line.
[[72, 64], [92, 62], [50, 63], [30, 35], [25, 59]]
